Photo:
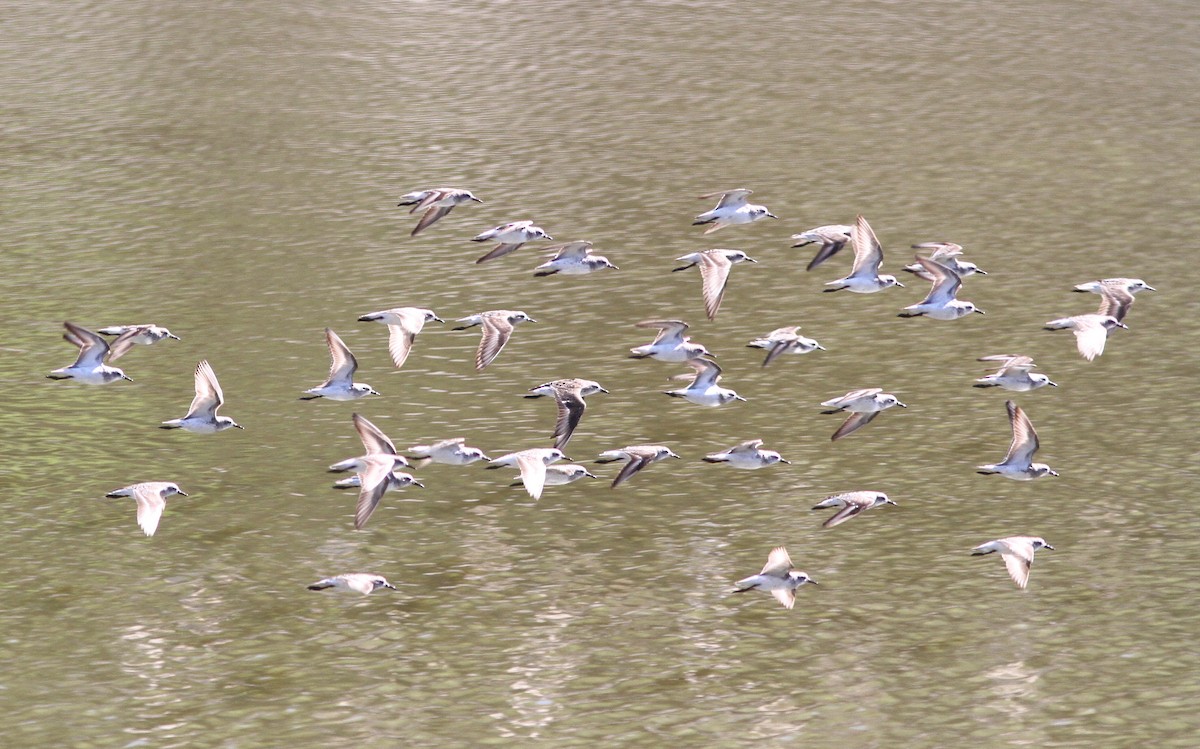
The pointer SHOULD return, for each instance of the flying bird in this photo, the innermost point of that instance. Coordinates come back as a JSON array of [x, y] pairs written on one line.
[[714, 274], [731, 209], [436, 203], [1018, 463], [947, 254], [941, 302], [779, 577], [151, 499], [749, 456], [568, 396], [202, 414], [864, 276], [1015, 374], [510, 236], [532, 465], [572, 259], [704, 389], [850, 505], [1017, 553], [89, 367], [670, 345], [832, 238], [638, 457], [340, 385], [127, 336], [863, 405], [404, 323], [497, 327], [359, 582], [1091, 330], [784, 341]]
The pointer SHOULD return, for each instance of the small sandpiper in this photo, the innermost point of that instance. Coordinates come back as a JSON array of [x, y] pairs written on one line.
[[404, 323], [831, 237], [704, 388], [497, 327], [779, 577], [941, 302], [714, 274], [510, 236], [359, 582], [670, 345], [202, 414], [568, 396], [532, 465], [863, 405], [1017, 553], [1014, 374], [851, 504], [1018, 463], [151, 498], [572, 259], [1091, 330], [89, 367], [864, 276], [436, 203], [130, 335], [784, 341], [639, 456], [732, 208], [749, 456], [452, 452], [340, 385]]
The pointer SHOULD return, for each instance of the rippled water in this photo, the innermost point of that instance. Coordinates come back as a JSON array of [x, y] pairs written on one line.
[[230, 170]]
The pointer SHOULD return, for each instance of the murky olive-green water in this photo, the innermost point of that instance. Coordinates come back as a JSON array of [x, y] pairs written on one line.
[[230, 170]]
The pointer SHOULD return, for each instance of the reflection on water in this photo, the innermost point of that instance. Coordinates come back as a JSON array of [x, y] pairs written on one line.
[[231, 172]]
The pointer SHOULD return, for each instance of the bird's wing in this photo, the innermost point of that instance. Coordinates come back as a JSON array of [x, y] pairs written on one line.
[[150, 505], [850, 508], [1090, 337], [500, 250], [777, 348], [533, 474], [373, 439], [400, 341], [342, 363], [853, 424], [749, 446], [637, 462], [570, 411], [374, 480], [1024, 440], [945, 282], [1115, 302], [208, 392], [778, 563], [729, 197], [714, 276], [831, 244], [707, 372], [430, 217], [673, 329], [92, 347], [1018, 564], [496, 332], [786, 596], [569, 250], [868, 254]]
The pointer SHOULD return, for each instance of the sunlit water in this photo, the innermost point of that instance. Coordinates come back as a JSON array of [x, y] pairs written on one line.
[[230, 170]]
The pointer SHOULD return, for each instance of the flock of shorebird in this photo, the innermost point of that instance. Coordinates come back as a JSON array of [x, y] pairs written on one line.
[[376, 471]]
